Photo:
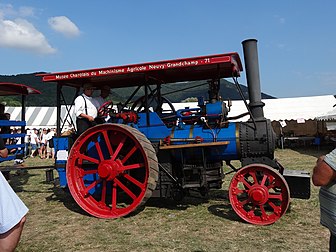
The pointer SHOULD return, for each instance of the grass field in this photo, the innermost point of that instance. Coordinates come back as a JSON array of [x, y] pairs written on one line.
[[56, 223]]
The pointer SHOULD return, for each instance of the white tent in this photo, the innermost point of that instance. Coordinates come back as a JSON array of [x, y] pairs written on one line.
[[329, 118], [330, 115], [274, 109], [40, 117], [283, 108]]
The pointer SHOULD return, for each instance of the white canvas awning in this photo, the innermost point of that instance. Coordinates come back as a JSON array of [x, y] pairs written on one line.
[[275, 109], [330, 115], [39, 117], [297, 108]]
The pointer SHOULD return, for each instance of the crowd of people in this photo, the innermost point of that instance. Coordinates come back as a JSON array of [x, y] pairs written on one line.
[[39, 143]]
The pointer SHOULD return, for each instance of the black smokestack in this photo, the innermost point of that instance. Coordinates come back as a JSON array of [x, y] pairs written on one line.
[[252, 77]]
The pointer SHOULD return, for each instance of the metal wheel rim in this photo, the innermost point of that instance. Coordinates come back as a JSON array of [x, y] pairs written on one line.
[[259, 194], [112, 171]]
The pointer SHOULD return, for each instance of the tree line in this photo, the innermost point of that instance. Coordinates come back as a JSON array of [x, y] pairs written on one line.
[[190, 90]]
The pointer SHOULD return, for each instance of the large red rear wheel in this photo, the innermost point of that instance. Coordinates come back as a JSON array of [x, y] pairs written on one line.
[[112, 169], [259, 194]]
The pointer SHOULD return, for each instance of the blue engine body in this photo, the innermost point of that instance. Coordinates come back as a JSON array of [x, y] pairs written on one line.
[[183, 132], [191, 145]]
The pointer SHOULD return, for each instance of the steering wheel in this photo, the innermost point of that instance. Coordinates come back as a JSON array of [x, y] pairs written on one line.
[[153, 102], [105, 109]]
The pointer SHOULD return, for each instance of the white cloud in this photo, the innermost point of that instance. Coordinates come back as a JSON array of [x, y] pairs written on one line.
[[8, 11], [21, 34], [280, 20], [26, 11], [64, 26]]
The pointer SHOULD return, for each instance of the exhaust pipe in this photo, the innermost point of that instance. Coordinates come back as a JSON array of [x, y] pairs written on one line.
[[253, 79]]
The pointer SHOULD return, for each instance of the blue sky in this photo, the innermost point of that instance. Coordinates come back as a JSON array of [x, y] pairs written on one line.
[[296, 39]]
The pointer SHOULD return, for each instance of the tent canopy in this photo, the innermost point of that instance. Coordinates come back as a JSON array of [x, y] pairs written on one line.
[[274, 109]]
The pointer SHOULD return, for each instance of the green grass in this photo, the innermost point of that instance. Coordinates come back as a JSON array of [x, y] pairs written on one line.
[[56, 223]]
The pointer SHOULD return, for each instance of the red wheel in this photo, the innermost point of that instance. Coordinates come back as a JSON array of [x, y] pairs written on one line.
[[105, 109], [112, 169], [259, 194]]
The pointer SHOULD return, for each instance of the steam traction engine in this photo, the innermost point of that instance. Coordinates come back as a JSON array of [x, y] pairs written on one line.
[[148, 148]]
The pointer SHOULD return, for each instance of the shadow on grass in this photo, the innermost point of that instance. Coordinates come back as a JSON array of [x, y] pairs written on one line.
[[18, 181], [63, 196], [171, 204], [224, 209]]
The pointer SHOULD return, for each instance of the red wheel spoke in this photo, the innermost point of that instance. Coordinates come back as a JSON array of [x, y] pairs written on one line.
[[125, 189], [275, 196], [108, 143], [114, 196], [273, 206], [239, 191], [132, 166], [129, 154], [87, 189], [86, 172], [263, 212], [93, 160], [247, 184], [103, 196], [121, 144], [270, 186], [134, 181], [254, 177], [100, 153], [244, 202], [250, 214], [271, 181], [263, 180]]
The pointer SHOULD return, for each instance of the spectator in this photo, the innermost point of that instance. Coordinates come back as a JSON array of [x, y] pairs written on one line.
[[34, 141], [104, 93], [4, 116], [19, 152], [101, 99], [27, 143], [50, 144], [43, 143], [324, 175], [12, 214]]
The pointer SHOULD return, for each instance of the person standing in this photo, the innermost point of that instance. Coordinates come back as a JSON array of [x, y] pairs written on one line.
[[12, 211], [4, 116], [43, 144], [85, 109], [324, 175], [101, 99], [104, 93], [34, 141], [27, 143], [50, 144]]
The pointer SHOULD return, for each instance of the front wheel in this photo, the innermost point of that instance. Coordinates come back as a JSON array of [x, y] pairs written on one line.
[[259, 194], [112, 170]]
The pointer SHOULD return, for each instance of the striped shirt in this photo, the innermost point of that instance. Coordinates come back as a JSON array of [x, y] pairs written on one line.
[[328, 197]]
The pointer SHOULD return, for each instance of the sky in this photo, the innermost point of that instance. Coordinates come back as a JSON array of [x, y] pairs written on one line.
[[296, 39]]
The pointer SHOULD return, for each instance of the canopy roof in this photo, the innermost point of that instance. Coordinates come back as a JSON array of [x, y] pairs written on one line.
[[283, 108], [169, 71], [7, 88], [330, 115]]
